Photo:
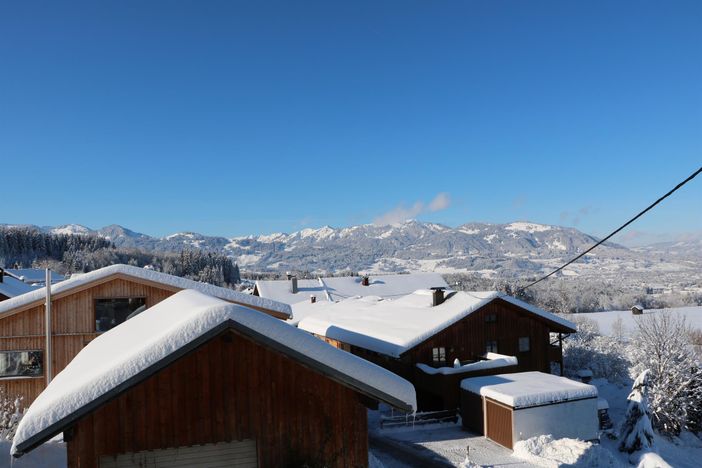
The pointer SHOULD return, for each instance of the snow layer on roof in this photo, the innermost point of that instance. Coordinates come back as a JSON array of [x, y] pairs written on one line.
[[12, 287], [35, 275], [304, 309], [344, 287], [147, 275], [493, 361], [126, 350], [392, 327], [525, 389]]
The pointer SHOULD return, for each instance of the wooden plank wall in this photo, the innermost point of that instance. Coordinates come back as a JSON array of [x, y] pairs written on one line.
[[230, 389], [73, 326], [466, 339]]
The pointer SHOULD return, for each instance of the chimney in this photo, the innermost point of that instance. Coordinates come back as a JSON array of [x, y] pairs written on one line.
[[293, 284], [437, 296], [365, 281], [2, 275], [288, 275], [313, 298]]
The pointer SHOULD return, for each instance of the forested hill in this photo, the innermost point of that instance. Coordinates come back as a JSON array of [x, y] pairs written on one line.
[[66, 253]]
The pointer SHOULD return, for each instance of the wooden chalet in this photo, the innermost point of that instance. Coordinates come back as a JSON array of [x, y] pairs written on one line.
[[436, 341], [82, 308], [224, 385]]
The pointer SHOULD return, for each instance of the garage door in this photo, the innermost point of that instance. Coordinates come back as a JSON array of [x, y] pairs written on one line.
[[499, 423], [240, 454]]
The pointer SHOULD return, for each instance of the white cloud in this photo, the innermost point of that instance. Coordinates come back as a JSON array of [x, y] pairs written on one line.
[[440, 202], [402, 213]]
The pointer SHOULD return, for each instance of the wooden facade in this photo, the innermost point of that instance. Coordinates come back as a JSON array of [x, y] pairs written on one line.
[[231, 388], [500, 323], [72, 325]]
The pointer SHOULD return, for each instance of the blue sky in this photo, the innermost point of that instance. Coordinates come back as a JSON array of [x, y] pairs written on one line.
[[233, 118]]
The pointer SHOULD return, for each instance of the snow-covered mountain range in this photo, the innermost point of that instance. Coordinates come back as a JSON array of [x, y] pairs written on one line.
[[505, 250]]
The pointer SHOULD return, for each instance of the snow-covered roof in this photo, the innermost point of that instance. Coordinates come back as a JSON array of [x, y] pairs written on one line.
[[38, 295], [343, 287], [11, 287], [492, 361], [526, 389], [34, 275], [129, 353], [392, 327]]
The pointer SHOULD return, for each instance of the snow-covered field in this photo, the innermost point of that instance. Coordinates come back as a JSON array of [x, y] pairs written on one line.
[[606, 320]]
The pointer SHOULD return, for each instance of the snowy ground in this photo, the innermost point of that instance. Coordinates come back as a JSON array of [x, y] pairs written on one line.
[[446, 445], [605, 320]]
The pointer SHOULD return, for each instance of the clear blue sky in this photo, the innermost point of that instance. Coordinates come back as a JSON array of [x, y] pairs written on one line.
[[233, 118]]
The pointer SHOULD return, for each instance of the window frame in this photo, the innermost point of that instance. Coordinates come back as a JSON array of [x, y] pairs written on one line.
[[437, 353], [491, 318], [25, 376], [528, 344], [488, 348], [115, 298]]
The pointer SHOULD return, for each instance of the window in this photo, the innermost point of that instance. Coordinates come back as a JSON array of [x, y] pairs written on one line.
[[491, 318], [111, 312], [21, 363], [524, 344], [438, 355], [491, 346]]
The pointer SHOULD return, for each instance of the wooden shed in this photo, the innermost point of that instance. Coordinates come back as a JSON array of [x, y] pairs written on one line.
[[220, 382], [82, 308], [421, 329], [508, 408]]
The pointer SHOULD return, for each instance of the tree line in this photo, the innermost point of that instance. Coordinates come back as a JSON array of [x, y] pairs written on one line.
[[67, 254]]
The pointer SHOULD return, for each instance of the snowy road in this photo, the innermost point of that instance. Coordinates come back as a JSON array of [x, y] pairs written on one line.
[[441, 445]]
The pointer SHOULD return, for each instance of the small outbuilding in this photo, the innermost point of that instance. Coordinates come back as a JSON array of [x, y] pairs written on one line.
[[508, 408], [196, 380], [637, 309]]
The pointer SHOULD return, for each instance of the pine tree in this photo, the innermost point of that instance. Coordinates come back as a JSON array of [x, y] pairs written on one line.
[[636, 432]]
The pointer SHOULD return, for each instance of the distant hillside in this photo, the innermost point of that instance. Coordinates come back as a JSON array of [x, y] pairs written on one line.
[[519, 249]]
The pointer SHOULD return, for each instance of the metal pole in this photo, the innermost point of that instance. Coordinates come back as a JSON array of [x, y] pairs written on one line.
[[47, 308]]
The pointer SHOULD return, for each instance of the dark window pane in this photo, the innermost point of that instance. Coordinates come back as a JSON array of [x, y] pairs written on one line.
[[491, 347], [111, 312], [524, 344], [21, 363]]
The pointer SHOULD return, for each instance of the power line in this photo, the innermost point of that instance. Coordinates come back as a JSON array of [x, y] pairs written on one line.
[[615, 232]]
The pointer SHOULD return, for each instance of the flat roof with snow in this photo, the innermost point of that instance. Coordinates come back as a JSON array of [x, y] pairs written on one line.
[[392, 327], [38, 295], [344, 287], [131, 352], [528, 389]]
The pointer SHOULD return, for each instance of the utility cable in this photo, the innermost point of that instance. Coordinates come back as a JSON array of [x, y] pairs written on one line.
[[692, 176]]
